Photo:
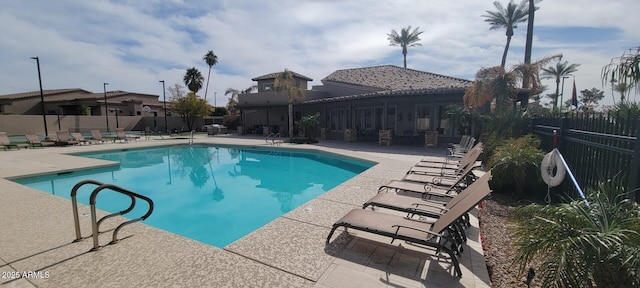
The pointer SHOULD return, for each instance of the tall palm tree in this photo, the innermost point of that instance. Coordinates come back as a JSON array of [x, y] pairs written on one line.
[[560, 70], [285, 82], [406, 38], [502, 85], [211, 59], [193, 80], [529, 43], [507, 18]]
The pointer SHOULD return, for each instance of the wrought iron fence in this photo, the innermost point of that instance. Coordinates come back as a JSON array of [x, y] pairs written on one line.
[[596, 146]]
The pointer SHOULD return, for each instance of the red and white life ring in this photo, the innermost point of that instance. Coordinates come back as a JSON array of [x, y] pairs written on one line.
[[552, 162]]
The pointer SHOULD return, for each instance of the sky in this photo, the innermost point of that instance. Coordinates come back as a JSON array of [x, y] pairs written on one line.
[[133, 44]]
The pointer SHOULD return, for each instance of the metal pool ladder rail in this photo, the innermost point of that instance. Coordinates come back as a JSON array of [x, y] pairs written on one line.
[[95, 224]]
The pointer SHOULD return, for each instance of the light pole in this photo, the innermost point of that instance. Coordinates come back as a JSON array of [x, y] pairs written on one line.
[[106, 111], [44, 117], [562, 94], [164, 102], [117, 124]]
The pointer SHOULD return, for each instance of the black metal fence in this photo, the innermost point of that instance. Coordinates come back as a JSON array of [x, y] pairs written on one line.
[[596, 147]]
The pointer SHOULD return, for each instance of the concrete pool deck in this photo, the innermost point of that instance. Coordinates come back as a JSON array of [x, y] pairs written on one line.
[[36, 234]]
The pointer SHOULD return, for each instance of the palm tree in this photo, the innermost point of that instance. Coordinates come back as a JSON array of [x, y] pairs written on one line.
[[459, 117], [529, 43], [285, 82], [193, 79], [507, 18], [495, 83], [622, 88], [624, 69], [233, 100], [406, 38], [582, 244], [211, 59], [560, 70]]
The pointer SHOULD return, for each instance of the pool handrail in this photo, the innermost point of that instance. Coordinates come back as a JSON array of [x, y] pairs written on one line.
[[95, 224]]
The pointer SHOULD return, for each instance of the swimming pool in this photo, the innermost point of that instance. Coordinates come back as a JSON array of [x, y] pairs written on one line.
[[215, 195]]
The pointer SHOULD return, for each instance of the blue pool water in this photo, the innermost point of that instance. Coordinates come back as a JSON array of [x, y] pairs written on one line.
[[215, 195]]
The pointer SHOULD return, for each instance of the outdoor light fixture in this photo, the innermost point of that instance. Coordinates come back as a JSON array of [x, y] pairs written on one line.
[[44, 117], [106, 111]]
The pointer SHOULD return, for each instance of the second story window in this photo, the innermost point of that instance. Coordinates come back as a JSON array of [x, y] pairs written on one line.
[[267, 86]]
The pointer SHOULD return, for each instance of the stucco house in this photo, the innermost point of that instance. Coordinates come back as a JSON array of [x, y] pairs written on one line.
[[365, 100], [78, 101]]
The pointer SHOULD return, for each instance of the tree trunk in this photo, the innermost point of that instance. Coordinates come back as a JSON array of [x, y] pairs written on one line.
[[506, 50], [405, 59], [290, 118], [207, 89], [555, 101]]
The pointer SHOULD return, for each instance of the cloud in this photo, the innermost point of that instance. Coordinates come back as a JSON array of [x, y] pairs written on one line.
[[133, 44]]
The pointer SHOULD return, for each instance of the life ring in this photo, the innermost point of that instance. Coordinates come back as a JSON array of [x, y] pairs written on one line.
[[551, 162]]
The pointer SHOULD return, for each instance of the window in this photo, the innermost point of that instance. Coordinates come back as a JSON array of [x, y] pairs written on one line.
[[391, 118], [267, 86], [339, 119], [422, 117]]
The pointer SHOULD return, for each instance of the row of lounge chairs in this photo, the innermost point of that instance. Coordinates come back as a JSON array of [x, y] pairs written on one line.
[[437, 213], [64, 138]]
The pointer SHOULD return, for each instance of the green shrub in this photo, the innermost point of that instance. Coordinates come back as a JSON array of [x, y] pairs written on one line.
[[512, 161], [579, 244]]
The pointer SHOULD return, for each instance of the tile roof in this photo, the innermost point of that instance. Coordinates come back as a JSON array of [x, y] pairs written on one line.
[[275, 74], [390, 77], [44, 92], [385, 93]]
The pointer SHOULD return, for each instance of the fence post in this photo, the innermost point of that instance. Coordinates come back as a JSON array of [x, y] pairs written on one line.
[[632, 186], [563, 128]]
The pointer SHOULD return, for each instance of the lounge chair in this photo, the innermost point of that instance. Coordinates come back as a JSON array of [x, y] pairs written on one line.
[[6, 143], [444, 168], [423, 206], [34, 141], [434, 186], [121, 135], [464, 140], [397, 227], [438, 162], [96, 135], [80, 138], [63, 138], [438, 176]]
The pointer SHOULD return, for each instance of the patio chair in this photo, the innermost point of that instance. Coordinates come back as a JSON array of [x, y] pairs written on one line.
[[80, 138], [63, 138], [34, 141], [433, 186], [464, 140], [442, 168], [423, 206], [6, 143], [442, 176], [435, 234], [96, 135], [121, 135]]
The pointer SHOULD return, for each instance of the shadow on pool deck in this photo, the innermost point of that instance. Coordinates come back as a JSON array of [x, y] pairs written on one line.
[[37, 229]]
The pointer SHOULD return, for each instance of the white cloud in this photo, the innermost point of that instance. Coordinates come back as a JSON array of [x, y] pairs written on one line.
[[133, 44]]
